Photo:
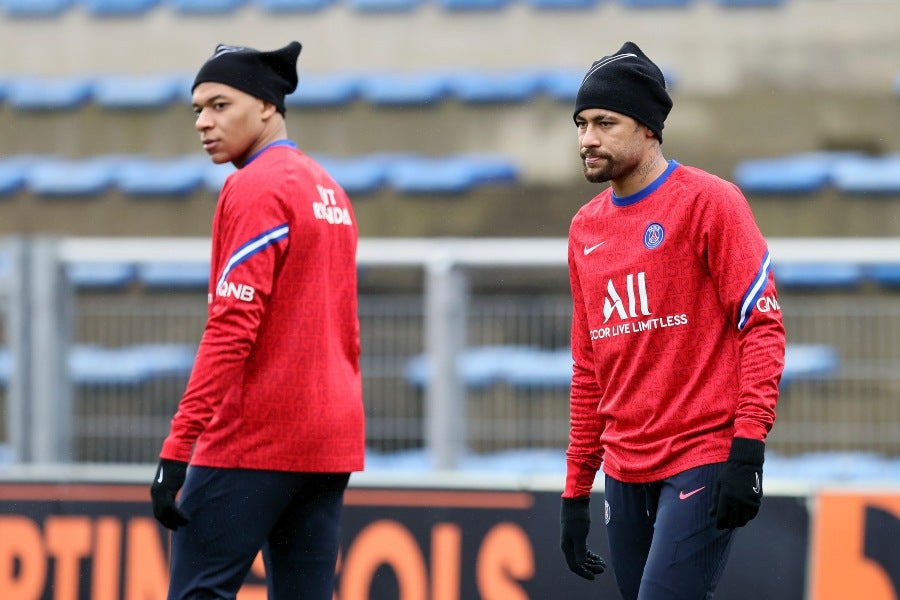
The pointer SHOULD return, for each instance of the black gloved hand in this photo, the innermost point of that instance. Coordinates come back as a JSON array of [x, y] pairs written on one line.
[[574, 525], [168, 480], [738, 491]]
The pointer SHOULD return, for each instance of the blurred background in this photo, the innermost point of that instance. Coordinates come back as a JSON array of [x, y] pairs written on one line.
[[449, 123], [443, 119]]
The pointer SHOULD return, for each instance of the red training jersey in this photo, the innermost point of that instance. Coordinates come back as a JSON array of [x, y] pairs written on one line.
[[677, 335], [276, 382]]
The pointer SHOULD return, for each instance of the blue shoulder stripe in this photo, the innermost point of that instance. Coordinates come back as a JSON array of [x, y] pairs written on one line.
[[756, 289], [257, 244]]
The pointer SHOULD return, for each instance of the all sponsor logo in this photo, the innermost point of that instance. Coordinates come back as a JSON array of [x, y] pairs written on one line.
[[629, 312]]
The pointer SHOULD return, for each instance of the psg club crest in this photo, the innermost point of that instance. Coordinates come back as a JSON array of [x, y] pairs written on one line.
[[653, 236]]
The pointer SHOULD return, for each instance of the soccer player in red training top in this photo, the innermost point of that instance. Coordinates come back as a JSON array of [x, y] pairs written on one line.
[[677, 344], [272, 419]]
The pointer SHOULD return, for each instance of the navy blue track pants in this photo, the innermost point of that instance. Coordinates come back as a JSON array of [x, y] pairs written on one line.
[[663, 543], [293, 517]]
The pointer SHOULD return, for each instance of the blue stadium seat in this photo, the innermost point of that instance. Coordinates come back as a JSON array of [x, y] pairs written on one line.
[[63, 177], [563, 4], [562, 84], [885, 274], [324, 89], [384, 6], [803, 173], [14, 173], [358, 175], [656, 3], [6, 367], [533, 367], [129, 365], [47, 93], [177, 176], [137, 92], [449, 175], [174, 276], [750, 3], [36, 8], [403, 89], [478, 367], [118, 8], [473, 5], [200, 7], [818, 275], [112, 275], [185, 94], [809, 362], [6, 264], [285, 6], [868, 175], [488, 87], [214, 176], [541, 369]]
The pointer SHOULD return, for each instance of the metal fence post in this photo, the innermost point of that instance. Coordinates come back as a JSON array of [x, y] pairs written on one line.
[[446, 290], [50, 315], [16, 304]]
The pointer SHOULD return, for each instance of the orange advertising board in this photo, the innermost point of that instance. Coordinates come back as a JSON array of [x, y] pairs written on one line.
[[856, 546], [80, 541]]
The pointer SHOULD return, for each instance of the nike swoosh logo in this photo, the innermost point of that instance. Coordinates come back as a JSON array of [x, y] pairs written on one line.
[[758, 487], [159, 479], [588, 250], [686, 495]]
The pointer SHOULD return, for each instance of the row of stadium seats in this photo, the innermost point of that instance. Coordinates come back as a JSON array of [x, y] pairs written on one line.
[[516, 366], [812, 172], [180, 176], [139, 176], [113, 91], [132, 8], [126, 365], [527, 366], [474, 86], [174, 276]]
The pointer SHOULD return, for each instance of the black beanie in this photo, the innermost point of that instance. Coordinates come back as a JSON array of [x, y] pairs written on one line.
[[628, 83], [269, 76]]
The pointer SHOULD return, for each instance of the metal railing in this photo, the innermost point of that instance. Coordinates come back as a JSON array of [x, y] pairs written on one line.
[[425, 302]]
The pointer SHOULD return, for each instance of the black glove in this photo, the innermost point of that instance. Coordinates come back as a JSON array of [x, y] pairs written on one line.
[[738, 491], [168, 480], [574, 524]]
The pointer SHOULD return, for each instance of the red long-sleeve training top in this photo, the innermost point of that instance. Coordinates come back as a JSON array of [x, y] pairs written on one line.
[[677, 335], [276, 382]]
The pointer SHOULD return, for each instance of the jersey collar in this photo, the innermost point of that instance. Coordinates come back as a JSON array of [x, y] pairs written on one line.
[[264, 148], [638, 196]]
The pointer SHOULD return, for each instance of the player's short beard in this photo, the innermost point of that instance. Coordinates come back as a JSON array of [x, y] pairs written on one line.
[[602, 174], [597, 176]]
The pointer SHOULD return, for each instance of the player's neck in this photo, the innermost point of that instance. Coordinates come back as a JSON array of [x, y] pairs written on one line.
[[649, 169]]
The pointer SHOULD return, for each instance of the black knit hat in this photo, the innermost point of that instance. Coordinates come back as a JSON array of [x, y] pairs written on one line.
[[269, 76], [627, 82]]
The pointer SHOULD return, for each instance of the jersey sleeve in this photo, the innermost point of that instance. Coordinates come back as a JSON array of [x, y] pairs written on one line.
[[741, 267], [584, 454], [250, 237]]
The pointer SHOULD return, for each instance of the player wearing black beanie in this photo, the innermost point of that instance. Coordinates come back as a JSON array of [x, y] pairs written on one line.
[[269, 76], [627, 82], [677, 348]]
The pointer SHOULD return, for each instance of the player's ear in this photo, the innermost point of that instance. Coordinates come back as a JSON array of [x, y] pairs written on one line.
[[267, 110]]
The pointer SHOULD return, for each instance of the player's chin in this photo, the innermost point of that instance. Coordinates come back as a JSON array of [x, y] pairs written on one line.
[[219, 158], [594, 175]]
